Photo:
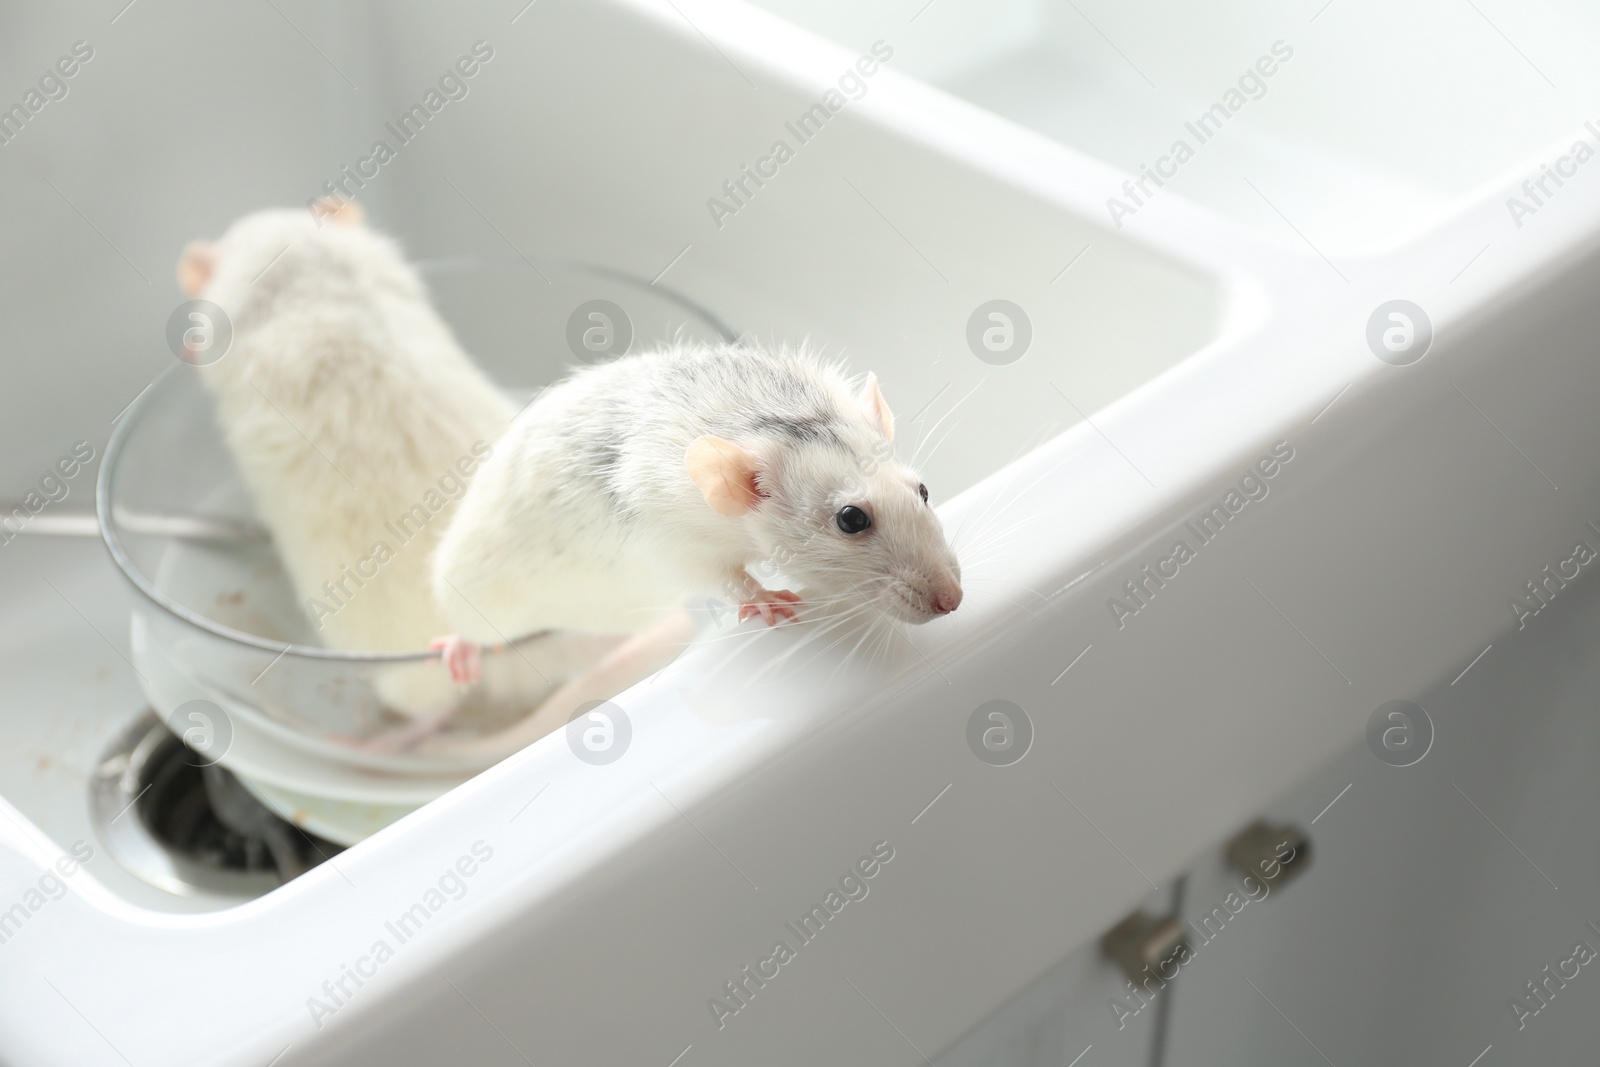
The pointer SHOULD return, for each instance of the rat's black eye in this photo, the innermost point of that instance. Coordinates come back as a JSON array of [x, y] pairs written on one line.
[[852, 520], [922, 491]]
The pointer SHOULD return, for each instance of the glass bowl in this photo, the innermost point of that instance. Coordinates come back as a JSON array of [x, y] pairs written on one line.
[[224, 652]]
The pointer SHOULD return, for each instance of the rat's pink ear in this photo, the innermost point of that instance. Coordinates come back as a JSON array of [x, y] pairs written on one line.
[[725, 474], [337, 209], [872, 400], [194, 266]]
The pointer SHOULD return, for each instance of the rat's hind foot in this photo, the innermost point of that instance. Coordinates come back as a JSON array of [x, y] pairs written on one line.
[[770, 605], [460, 658]]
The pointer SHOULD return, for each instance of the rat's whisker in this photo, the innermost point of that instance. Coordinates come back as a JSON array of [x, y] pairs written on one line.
[[848, 658], [1001, 500], [954, 426], [929, 432], [975, 561], [741, 634], [980, 580], [986, 525], [986, 534], [844, 633], [813, 642], [813, 623], [838, 622], [1022, 603], [1003, 496]]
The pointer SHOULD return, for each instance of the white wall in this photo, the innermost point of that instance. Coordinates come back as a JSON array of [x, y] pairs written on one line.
[[187, 112]]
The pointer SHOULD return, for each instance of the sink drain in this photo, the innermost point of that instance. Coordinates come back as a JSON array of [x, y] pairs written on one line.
[[190, 829]]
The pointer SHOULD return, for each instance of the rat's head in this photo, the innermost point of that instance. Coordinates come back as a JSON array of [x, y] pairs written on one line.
[[226, 267], [826, 503]]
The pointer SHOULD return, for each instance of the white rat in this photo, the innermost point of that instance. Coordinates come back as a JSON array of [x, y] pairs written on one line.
[[629, 487], [347, 403]]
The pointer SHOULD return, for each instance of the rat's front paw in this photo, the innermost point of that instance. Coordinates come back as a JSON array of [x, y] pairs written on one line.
[[460, 658], [770, 605]]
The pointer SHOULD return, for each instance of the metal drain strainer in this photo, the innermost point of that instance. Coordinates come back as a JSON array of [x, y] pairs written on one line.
[[187, 827]]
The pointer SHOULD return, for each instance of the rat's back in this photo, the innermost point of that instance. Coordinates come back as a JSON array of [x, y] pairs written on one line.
[[354, 416]]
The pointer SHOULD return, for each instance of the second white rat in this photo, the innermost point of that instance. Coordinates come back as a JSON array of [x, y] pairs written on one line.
[[631, 486], [347, 404]]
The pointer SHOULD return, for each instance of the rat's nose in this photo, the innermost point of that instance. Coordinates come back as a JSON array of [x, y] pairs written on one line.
[[946, 600]]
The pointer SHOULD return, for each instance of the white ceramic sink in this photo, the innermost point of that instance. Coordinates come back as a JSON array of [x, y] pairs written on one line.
[[607, 907]]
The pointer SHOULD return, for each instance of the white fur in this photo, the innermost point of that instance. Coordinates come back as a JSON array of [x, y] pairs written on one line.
[[340, 372], [586, 517]]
